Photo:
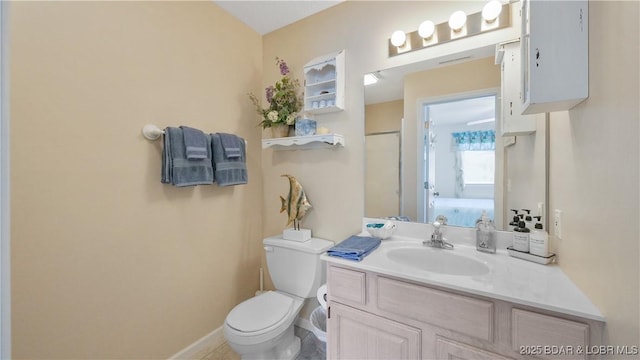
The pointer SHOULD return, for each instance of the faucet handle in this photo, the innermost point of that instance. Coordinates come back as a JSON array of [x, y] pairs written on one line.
[[441, 219]]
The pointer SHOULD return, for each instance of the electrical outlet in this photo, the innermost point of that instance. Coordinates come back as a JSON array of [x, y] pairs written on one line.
[[557, 223]]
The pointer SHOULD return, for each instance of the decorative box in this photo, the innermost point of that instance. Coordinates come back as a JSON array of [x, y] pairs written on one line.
[[305, 127]]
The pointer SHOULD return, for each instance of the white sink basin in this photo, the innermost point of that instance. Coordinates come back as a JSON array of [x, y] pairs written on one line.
[[437, 260]]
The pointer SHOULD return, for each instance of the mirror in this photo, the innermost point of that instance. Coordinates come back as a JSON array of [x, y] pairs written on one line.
[[434, 146]]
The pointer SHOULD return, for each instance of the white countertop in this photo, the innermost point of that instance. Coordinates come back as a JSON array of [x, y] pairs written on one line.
[[509, 279]]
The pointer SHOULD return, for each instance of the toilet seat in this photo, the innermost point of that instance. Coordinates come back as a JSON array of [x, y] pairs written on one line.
[[261, 313]]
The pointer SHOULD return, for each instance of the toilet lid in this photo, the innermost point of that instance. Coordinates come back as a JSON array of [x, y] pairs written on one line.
[[260, 312]]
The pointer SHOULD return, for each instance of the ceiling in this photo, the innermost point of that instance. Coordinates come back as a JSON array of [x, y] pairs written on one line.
[[265, 16]]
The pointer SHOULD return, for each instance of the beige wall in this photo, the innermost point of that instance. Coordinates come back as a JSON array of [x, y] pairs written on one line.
[[594, 180], [107, 262], [382, 117]]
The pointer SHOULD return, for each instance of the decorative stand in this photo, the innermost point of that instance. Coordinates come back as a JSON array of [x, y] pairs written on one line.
[[296, 233], [300, 235]]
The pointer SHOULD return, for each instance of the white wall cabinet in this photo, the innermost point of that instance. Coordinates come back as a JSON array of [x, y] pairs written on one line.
[[513, 122], [375, 316], [324, 82], [555, 54]]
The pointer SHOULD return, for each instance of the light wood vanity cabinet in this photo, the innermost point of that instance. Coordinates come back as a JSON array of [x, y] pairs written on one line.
[[375, 316]]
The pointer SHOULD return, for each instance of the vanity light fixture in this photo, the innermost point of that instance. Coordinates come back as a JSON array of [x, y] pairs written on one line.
[[457, 20], [497, 15], [427, 29], [370, 79], [398, 38], [491, 11]]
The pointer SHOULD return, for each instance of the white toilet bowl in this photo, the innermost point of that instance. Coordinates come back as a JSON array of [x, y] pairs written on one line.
[[262, 327]]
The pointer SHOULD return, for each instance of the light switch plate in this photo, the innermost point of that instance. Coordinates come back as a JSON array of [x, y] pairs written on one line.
[[557, 223]]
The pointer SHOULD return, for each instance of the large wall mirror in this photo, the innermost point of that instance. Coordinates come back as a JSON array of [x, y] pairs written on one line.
[[434, 145]]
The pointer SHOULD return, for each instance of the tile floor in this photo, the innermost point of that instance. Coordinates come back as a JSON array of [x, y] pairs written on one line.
[[308, 351]]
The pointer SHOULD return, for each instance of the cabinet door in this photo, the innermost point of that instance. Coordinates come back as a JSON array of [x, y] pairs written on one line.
[[555, 54], [354, 334], [513, 122], [447, 349]]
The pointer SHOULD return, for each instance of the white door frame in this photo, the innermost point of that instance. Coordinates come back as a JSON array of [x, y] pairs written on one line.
[[421, 133], [5, 249]]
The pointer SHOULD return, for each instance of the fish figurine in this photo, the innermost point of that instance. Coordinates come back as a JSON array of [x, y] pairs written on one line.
[[296, 204]]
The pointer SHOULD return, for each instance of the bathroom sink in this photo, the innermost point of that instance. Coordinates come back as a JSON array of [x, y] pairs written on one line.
[[437, 260]]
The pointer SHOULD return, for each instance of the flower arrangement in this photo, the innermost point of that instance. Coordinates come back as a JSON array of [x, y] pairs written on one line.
[[284, 101]]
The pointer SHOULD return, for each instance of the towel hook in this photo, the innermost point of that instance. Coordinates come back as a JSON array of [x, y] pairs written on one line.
[[151, 132]]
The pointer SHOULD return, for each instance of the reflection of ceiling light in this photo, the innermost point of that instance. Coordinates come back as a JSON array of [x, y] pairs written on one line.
[[491, 11], [457, 20], [426, 29], [478, 122], [398, 38], [370, 79]]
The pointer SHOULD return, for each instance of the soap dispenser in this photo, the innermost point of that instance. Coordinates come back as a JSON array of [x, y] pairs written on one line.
[[539, 240], [528, 220], [485, 234], [516, 218], [521, 237]]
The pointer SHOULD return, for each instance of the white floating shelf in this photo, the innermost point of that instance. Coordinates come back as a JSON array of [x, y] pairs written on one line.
[[303, 142]]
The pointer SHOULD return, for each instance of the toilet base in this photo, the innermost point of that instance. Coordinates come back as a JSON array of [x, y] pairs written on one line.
[[284, 347]]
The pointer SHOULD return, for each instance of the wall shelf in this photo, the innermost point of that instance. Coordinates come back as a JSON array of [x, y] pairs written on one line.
[[304, 142], [324, 84]]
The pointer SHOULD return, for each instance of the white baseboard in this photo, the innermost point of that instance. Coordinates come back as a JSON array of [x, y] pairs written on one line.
[[211, 341], [201, 347]]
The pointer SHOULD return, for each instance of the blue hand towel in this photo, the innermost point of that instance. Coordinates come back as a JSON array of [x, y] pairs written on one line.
[[177, 169], [355, 247], [231, 145], [196, 144], [228, 171]]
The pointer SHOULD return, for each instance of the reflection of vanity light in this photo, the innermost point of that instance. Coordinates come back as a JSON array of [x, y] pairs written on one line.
[[478, 122], [370, 79], [457, 20], [398, 38], [491, 11], [426, 29]]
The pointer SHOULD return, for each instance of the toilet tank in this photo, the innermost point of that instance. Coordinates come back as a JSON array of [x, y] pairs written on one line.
[[295, 267]]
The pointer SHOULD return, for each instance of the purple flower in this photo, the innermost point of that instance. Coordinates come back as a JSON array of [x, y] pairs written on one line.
[[284, 69], [269, 93]]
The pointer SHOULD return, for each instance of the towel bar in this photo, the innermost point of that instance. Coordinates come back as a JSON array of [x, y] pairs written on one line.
[[152, 132]]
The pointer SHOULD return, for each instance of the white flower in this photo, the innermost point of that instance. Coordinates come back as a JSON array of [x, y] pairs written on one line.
[[291, 119], [273, 116]]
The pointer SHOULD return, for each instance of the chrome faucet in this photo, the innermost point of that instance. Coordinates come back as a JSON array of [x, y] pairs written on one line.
[[437, 240]]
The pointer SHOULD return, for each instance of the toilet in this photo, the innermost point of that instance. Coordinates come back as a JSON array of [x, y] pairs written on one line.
[[262, 327]]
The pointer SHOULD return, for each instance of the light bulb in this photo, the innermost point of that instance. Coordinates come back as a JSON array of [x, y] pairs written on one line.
[[457, 20], [398, 38], [426, 29], [491, 11]]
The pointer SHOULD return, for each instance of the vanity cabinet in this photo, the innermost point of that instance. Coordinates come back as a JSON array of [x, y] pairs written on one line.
[[555, 54], [361, 335], [376, 316], [513, 122], [324, 82]]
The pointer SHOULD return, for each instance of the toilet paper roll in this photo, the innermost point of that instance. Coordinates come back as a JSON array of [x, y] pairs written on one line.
[[322, 296]]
